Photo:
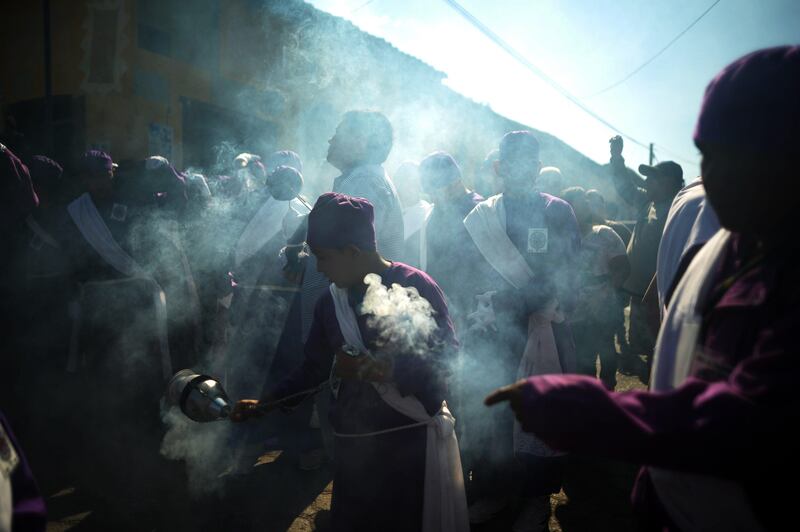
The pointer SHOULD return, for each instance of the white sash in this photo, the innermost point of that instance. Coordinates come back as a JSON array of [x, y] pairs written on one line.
[[486, 224], [694, 502], [415, 220], [40, 232], [264, 225], [539, 358], [95, 231], [445, 502]]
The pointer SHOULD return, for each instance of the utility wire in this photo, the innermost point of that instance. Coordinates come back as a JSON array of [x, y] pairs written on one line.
[[677, 155], [541, 74], [657, 54], [536, 70], [362, 6]]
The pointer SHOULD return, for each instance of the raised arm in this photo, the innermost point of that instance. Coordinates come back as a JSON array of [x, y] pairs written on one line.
[[629, 185]]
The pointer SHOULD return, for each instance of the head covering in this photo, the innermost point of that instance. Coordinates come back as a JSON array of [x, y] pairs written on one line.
[[16, 191], [518, 143], [754, 102], [45, 174], [669, 169], [283, 158], [285, 183], [338, 220], [97, 162], [438, 170]]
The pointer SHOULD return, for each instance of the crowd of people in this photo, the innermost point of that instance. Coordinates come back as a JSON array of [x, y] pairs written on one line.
[[383, 311]]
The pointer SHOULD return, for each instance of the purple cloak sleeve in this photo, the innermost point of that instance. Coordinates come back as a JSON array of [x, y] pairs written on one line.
[[317, 359], [424, 376], [740, 427]]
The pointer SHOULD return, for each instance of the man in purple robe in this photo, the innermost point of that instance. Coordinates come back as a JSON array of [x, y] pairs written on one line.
[[451, 255], [716, 434], [530, 243], [380, 454]]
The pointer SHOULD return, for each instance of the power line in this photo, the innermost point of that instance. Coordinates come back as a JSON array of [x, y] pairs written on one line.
[[362, 6], [536, 70], [657, 54], [677, 155]]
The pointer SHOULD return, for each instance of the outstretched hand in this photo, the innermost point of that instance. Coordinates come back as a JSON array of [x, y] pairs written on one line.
[[511, 393]]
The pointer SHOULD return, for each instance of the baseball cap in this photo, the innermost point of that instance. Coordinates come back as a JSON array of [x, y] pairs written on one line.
[[663, 169]]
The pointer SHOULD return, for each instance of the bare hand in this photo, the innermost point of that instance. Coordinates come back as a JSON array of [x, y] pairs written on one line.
[[511, 393], [247, 409], [616, 144]]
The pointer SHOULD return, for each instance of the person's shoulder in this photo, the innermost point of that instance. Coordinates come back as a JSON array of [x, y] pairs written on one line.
[[407, 275], [557, 209], [554, 203]]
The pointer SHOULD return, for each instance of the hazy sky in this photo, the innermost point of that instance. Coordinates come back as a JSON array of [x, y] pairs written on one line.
[[585, 45]]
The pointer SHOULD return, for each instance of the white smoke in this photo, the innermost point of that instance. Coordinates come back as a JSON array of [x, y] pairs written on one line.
[[203, 447], [403, 319]]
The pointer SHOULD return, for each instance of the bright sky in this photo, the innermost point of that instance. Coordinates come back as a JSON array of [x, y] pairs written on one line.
[[585, 45]]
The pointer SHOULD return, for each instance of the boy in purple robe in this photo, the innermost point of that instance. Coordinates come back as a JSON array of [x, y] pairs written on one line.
[[716, 434], [380, 453]]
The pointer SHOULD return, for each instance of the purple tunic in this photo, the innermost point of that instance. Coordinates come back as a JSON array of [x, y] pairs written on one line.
[[734, 417], [379, 480], [28, 506]]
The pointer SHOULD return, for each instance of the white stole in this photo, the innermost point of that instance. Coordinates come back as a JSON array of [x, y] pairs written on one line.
[[264, 225], [415, 220], [486, 224], [694, 502], [95, 231], [445, 502]]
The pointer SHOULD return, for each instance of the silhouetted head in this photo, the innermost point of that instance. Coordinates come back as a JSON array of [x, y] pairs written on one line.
[[362, 137], [518, 163], [748, 132]]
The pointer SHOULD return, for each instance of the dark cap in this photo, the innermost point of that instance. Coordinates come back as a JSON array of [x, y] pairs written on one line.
[[754, 102], [97, 162], [664, 169], [338, 220]]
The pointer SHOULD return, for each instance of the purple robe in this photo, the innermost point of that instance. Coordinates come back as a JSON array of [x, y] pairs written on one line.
[[379, 480], [734, 417], [28, 510]]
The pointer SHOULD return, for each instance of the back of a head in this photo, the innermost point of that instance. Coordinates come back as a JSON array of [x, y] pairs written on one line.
[[753, 103], [438, 170], [573, 194], [283, 158], [375, 130], [748, 131], [550, 180]]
